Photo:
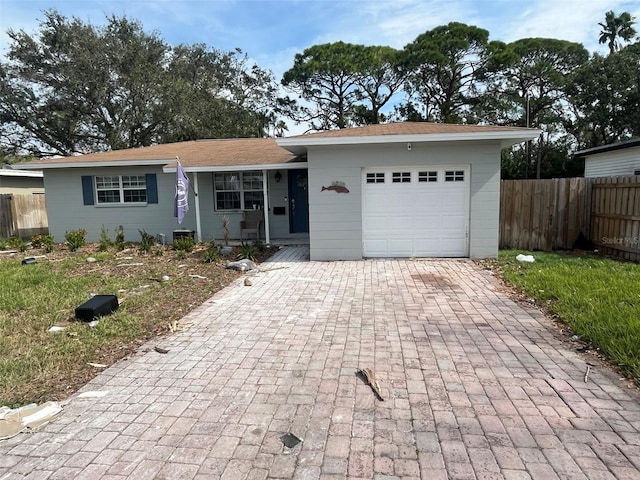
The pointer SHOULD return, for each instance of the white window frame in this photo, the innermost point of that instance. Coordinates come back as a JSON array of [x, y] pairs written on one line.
[[241, 190], [121, 189]]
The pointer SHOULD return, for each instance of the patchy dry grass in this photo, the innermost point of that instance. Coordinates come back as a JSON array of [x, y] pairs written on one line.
[[36, 365]]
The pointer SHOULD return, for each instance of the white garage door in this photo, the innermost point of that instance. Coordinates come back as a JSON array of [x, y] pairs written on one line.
[[416, 212]]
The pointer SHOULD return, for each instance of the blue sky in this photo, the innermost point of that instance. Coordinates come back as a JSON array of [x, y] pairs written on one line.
[[273, 31]]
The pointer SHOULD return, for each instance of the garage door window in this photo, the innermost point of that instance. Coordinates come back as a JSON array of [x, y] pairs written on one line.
[[427, 176], [375, 177], [454, 176], [401, 177]]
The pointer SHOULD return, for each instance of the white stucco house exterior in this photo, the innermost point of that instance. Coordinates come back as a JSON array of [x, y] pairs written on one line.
[[616, 159], [391, 190]]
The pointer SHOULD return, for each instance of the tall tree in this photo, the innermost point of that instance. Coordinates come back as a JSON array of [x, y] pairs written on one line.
[[444, 67], [73, 88], [379, 77], [526, 81], [324, 76], [605, 95], [615, 28]]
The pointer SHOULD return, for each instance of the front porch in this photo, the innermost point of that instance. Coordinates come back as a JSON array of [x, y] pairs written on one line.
[[231, 205]]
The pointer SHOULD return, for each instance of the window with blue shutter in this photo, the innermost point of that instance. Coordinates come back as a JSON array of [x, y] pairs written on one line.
[[120, 189]]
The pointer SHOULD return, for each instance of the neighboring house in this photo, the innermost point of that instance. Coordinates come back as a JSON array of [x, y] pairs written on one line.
[[20, 182], [392, 190], [616, 159]]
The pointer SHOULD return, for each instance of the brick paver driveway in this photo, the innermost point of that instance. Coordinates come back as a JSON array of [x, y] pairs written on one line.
[[475, 386]]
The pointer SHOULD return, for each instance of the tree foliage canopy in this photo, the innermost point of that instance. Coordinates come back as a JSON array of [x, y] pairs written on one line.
[[74, 88]]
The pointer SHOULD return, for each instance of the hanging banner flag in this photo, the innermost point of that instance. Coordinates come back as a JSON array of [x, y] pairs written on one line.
[[181, 203]]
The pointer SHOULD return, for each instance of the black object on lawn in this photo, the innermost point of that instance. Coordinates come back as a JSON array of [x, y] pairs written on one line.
[[97, 306]]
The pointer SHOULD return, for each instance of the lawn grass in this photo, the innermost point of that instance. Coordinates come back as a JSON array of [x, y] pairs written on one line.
[[36, 365], [599, 298]]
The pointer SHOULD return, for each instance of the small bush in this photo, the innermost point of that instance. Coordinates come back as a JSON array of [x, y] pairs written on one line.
[[247, 251], [185, 244], [147, 241], [76, 239], [158, 251], [18, 244], [181, 254], [211, 255], [36, 241], [4, 244], [105, 241], [47, 243], [119, 242]]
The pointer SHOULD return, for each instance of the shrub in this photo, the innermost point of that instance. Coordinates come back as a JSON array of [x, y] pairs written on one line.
[[181, 254], [4, 244], [184, 244], [76, 239], [105, 241], [18, 244], [36, 241], [247, 251], [211, 255], [119, 238], [147, 241], [47, 243]]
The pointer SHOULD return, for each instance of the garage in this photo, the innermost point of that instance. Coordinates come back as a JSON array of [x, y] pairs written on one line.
[[415, 211]]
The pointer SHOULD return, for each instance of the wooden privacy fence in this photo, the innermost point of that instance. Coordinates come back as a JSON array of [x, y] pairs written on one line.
[[543, 214], [615, 216], [550, 214], [23, 215]]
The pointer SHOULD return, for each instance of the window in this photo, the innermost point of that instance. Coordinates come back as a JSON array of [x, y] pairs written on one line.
[[454, 176], [116, 189], [238, 190], [376, 177], [401, 177], [428, 176]]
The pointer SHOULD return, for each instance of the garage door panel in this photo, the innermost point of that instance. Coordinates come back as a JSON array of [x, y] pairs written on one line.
[[400, 222], [416, 218], [376, 247], [399, 246]]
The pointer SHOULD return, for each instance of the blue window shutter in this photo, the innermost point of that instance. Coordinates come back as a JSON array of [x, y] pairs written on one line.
[[87, 189], [152, 188]]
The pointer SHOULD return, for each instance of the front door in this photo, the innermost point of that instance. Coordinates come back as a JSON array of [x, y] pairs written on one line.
[[298, 201]]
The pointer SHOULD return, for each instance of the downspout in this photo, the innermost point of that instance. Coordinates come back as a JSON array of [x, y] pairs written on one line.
[[196, 190], [267, 236]]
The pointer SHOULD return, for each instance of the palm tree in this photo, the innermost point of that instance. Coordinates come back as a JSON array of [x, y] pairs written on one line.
[[617, 27]]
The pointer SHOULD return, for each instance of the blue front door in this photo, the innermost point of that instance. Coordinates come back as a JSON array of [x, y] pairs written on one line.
[[298, 201]]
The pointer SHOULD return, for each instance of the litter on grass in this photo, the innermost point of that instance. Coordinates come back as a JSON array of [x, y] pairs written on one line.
[[16, 420], [56, 329], [525, 258], [241, 265]]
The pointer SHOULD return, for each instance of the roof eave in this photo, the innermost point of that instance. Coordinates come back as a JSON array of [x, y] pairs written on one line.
[[237, 168], [21, 173], [93, 164], [299, 144], [587, 152]]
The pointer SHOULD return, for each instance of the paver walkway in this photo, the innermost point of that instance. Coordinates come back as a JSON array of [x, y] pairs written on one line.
[[476, 386]]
